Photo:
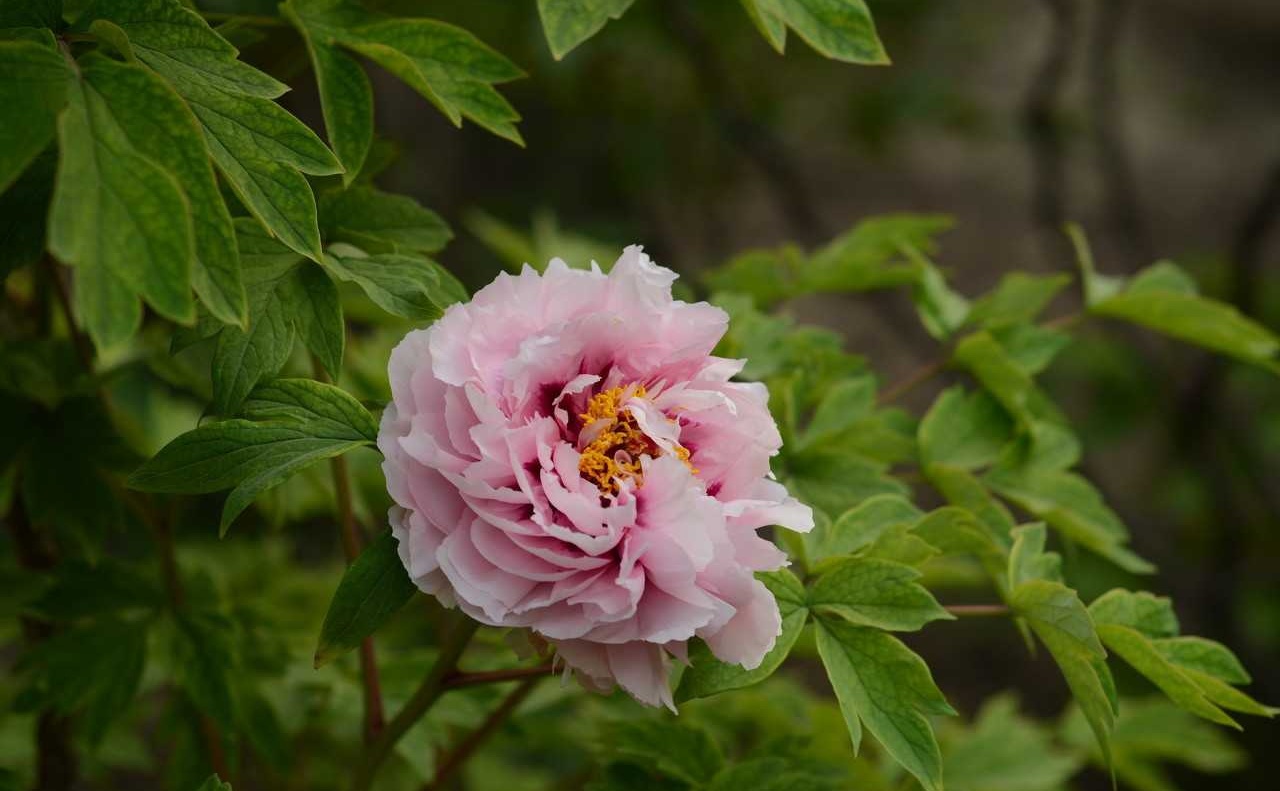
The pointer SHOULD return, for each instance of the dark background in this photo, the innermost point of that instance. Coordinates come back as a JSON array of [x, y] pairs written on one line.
[[1153, 123]]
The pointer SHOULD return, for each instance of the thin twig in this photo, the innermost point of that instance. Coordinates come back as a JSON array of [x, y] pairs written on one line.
[[84, 350], [1044, 132], [459, 680], [913, 380], [454, 760], [977, 610], [456, 636], [1107, 123]]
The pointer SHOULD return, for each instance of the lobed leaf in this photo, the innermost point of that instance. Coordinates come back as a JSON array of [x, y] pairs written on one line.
[[568, 23], [379, 222], [839, 29], [880, 683], [119, 218], [33, 90], [876, 593]]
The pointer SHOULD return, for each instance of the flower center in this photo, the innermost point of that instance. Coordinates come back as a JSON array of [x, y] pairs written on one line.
[[617, 441]]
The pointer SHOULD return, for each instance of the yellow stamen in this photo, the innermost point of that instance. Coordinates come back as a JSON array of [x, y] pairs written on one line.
[[614, 453]]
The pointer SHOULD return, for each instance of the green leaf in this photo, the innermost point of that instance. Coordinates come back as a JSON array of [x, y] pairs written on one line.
[[767, 276], [94, 670], [1073, 506], [991, 365], [24, 211], [834, 481], [772, 774], [839, 29], [1028, 559], [1058, 617], [379, 222], [1007, 752], [373, 588], [671, 749], [962, 430], [346, 97], [1147, 613], [448, 66], [323, 408], [961, 488], [841, 408], [942, 311], [445, 64], [870, 255], [308, 422], [260, 149], [708, 676], [287, 296], [179, 44], [1137, 649], [33, 89], [407, 286], [159, 125], [861, 525], [106, 588], [205, 657], [1162, 302], [317, 315], [1018, 299], [1030, 347], [213, 783], [881, 684], [877, 593], [1153, 732], [1196, 674], [568, 23], [119, 218], [263, 152]]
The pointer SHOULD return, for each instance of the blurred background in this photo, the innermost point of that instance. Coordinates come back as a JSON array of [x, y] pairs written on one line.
[[1153, 123]]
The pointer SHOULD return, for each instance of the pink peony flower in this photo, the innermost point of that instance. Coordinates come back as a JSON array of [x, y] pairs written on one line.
[[566, 455]]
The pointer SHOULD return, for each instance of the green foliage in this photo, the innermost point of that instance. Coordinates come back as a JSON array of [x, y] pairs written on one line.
[[33, 92], [838, 29], [371, 591], [294, 423], [150, 179], [568, 23]]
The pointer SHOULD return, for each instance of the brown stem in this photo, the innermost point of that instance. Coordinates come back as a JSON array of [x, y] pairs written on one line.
[[83, 348], [56, 764], [1044, 132], [1107, 122], [977, 610], [457, 635], [454, 760], [459, 680], [918, 377], [374, 716]]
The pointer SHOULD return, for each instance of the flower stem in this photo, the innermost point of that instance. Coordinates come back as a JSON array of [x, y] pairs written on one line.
[[454, 760], [457, 634], [978, 610], [459, 680], [915, 379], [374, 718]]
